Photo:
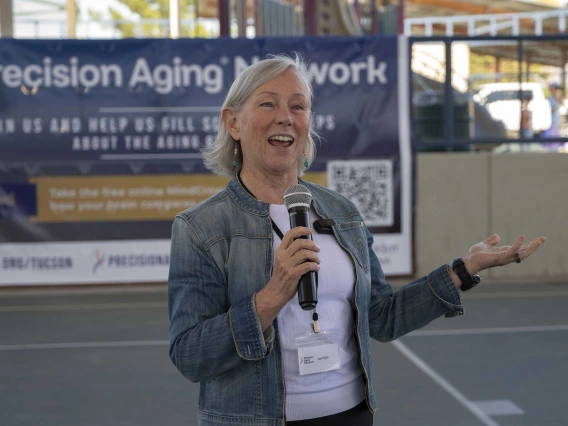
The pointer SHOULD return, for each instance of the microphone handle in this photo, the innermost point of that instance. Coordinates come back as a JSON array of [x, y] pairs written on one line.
[[307, 288]]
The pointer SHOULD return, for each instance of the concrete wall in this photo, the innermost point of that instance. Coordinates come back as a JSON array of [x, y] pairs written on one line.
[[463, 198]]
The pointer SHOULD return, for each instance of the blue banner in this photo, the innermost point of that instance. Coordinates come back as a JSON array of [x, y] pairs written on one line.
[[105, 101], [100, 145], [17, 200]]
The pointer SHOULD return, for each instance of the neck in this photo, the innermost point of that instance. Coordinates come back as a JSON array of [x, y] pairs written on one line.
[[268, 188]]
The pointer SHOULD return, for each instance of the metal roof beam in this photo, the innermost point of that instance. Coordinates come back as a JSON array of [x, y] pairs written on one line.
[[469, 8]]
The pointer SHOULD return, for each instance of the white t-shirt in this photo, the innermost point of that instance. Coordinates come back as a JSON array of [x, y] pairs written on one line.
[[321, 394]]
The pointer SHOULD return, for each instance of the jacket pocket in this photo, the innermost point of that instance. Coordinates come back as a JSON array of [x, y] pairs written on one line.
[[355, 238]]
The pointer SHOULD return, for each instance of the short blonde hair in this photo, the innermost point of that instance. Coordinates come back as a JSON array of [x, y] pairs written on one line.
[[219, 156]]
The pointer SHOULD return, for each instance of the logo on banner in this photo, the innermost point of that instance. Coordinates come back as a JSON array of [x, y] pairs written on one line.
[[122, 260], [100, 261]]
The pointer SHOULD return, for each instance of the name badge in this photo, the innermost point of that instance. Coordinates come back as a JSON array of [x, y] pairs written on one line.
[[318, 352]]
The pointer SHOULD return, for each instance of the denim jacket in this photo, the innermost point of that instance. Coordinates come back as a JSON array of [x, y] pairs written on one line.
[[222, 255]]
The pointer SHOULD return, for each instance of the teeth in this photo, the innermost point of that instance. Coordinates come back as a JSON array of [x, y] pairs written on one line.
[[282, 138]]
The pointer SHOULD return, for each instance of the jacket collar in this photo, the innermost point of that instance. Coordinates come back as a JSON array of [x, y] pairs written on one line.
[[250, 204], [246, 201]]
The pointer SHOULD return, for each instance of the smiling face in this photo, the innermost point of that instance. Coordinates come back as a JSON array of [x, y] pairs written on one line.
[[272, 126]]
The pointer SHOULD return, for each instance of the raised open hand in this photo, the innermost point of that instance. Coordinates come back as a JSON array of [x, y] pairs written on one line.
[[486, 254]]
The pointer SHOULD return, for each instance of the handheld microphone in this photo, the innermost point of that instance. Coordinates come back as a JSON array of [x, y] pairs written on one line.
[[297, 199]]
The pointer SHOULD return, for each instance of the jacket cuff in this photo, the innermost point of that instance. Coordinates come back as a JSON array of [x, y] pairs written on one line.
[[444, 289], [251, 343]]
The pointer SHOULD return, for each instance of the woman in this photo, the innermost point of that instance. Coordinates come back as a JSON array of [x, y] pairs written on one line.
[[236, 326]]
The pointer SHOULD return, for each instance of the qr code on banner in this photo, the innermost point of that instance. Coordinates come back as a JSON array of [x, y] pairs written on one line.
[[368, 184]]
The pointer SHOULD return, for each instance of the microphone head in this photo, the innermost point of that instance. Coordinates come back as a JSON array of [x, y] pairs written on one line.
[[297, 196]]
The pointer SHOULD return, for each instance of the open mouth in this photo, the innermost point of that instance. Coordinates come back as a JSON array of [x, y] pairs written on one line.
[[281, 141]]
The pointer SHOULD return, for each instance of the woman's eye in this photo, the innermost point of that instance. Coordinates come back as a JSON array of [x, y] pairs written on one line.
[[267, 104], [299, 107]]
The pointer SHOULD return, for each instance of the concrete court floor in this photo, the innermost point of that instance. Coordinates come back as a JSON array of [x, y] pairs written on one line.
[[99, 357]]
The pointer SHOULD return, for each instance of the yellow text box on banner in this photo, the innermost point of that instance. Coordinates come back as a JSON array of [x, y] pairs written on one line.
[[121, 198], [126, 198]]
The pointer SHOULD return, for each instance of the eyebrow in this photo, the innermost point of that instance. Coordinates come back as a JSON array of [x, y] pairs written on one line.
[[276, 94]]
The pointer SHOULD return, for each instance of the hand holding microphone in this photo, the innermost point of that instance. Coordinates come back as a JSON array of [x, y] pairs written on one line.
[[298, 199], [295, 264]]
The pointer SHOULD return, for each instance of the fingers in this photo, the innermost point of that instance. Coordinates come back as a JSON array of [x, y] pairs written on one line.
[[305, 255], [513, 250], [293, 234], [517, 244], [529, 248], [297, 255], [302, 244], [493, 240]]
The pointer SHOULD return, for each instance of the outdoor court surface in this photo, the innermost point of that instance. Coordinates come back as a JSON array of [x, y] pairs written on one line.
[[92, 357]]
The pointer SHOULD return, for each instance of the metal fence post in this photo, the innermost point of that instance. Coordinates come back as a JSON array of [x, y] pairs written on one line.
[[224, 13], [449, 98]]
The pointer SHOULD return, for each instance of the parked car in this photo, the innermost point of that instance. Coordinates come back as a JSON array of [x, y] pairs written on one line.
[[503, 102]]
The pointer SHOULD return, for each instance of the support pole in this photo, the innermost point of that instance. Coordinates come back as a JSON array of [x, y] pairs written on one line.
[[223, 11], [242, 8], [357, 8], [528, 73], [7, 18], [71, 10], [401, 16], [497, 68], [563, 68], [375, 18], [520, 56], [257, 17], [449, 99], [174, 18], [310, 11]]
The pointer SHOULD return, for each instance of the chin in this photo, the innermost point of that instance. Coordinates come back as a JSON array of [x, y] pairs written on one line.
[[283, 168]]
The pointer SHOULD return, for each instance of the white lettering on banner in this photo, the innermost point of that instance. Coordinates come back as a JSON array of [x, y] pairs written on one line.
[[131, 261], [321, 122], [164, 78], [181, 142], [84, 262], [7, 125], [36, 263], [144, 124], [61, 207], [32, 125], [95, 143], [62, 193], [177, 124], [86, 76], [193, 190], [107, 124], [209, 124], [137, 143], [340, 73], [65, 125]]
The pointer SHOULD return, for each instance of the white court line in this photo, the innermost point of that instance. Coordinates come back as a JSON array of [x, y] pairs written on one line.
[[454, 393], [118, 110], [79, 345], [496, 330], [81, 307]]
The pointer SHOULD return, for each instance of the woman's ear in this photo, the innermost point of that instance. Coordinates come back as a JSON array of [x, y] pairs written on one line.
[[230, 119]]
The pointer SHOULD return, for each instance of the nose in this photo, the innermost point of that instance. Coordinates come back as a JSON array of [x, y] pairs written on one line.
[[284, 117]]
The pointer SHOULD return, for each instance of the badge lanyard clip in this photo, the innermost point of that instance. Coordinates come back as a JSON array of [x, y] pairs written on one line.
[[315, 323]]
